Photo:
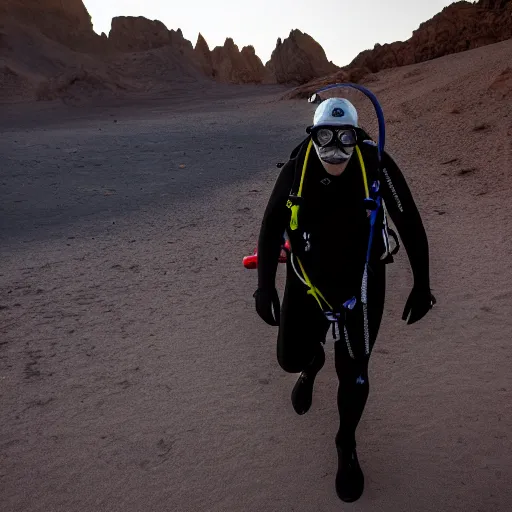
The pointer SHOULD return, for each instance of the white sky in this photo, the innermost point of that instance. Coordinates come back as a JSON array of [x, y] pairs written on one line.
[[343, 27]]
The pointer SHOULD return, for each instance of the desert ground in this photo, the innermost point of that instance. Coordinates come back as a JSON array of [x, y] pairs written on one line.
[[135, 373]]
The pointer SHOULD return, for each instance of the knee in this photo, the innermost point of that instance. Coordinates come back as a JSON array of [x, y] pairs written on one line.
[[350, 370], [290, 364], [292, 360]]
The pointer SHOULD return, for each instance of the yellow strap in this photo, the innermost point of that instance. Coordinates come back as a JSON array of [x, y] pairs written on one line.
[[304, 166], [313, 290], [294, 220], [363, 171]]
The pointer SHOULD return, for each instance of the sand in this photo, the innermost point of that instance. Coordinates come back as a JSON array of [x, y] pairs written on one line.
[[135, 373]]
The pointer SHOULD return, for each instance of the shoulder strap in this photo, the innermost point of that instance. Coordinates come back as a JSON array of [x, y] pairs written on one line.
[[370, 154], [295, 197], [298, 155]]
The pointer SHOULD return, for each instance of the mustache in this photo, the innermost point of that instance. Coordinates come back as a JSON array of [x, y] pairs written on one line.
[[333, 155]]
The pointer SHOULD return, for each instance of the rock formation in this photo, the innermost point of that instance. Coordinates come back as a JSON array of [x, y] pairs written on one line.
[[299, 59], [204, 56], [458, 27], [66, 22], [50, 46], [138, 34], [232, 66]]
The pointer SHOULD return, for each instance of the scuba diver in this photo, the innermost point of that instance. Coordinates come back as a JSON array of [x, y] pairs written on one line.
[[330, 202]]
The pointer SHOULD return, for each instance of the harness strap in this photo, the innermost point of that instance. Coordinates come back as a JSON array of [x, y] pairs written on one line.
[[330, 314], [294, 221], [363, 170], [313, 290], [293, 203]]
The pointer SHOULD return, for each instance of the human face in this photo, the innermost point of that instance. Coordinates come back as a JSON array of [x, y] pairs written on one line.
[[334, 146]]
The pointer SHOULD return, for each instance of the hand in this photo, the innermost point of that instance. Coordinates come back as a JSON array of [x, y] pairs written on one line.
[[266, 298], [419, 303]]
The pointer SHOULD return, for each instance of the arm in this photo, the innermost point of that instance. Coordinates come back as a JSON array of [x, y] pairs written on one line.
[[406, 217], [273, 226]]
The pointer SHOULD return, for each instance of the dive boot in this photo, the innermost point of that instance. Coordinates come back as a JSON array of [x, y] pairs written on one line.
[[349, 478], [302, 393]]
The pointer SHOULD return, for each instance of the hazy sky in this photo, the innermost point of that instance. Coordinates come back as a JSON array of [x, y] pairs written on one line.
[[342, 27]]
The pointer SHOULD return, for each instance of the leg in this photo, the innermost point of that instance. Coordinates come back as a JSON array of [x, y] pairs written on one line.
[[299, 345], [352, 374], [353, 391], [302, 330]]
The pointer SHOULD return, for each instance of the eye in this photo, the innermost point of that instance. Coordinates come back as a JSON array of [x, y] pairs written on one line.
[[324, 136], [347, 137]]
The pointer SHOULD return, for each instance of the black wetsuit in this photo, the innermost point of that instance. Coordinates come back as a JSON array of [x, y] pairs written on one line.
[[334, 224]]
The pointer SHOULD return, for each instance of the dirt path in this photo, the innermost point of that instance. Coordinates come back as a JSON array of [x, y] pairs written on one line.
[[136, 376]]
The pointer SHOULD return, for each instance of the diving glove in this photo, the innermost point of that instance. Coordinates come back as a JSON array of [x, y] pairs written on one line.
[[268, 305], [419, 303]]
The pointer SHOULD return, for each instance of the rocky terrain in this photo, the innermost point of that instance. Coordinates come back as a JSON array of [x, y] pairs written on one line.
[[48, 50], [135, 374], [459, 27]]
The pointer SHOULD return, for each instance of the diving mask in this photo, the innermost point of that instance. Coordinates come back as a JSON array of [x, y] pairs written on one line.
[[334, 144]]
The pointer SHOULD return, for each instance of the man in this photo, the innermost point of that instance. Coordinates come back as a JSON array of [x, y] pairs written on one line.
[[327, 198]]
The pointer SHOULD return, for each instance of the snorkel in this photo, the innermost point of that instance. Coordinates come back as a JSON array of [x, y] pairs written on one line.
[[316, 98]]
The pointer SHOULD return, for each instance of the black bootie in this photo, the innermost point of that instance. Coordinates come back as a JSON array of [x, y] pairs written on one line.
[[349, 478], [302, 393]]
